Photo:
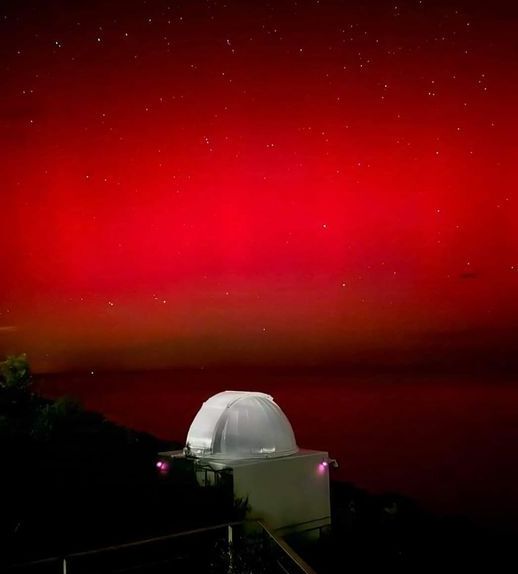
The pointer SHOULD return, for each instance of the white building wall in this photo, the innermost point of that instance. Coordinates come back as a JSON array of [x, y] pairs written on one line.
[[288, 494]]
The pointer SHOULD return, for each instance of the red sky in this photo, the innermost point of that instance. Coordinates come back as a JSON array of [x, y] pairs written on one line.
[[196, 183]]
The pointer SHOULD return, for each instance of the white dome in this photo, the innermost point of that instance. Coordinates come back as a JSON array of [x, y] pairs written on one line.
[[240, 425]]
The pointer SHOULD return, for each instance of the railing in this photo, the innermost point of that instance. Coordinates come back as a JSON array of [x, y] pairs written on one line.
[[219, 548], [287, 558]]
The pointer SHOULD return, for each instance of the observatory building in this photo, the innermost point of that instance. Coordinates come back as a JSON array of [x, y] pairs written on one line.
[[247, 436]]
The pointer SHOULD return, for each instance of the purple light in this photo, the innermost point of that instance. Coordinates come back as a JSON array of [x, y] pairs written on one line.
[[322, 467], [162, 466]]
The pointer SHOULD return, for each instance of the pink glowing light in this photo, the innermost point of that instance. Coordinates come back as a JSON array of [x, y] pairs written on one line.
[[162, 466]]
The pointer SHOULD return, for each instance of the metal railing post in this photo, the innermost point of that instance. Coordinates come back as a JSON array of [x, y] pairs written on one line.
[[230, 540]]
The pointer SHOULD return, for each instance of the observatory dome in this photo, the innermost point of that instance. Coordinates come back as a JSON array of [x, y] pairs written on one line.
[[235, 425]]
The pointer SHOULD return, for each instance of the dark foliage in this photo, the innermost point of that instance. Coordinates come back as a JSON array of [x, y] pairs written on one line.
[[391, 533], [15, 373], [248, 555], [72, 481]]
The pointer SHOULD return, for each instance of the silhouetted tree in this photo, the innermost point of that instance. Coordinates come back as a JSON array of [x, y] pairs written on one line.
[[15, 373]]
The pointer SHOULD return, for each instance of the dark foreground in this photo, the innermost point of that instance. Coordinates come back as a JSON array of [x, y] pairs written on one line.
[[446, 441], [72, 481]]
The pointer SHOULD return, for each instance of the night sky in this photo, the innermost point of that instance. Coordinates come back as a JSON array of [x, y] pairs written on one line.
[[246, 182]]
